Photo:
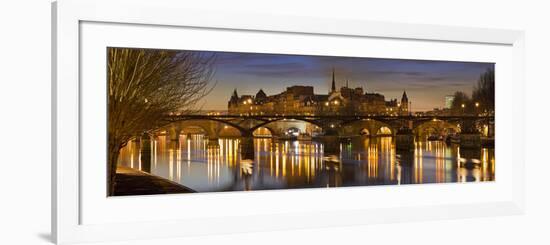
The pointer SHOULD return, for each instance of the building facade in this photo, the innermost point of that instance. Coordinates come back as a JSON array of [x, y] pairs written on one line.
[[301, 100]]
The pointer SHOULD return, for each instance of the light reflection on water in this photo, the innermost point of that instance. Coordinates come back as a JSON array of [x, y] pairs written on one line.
[[220, 166]]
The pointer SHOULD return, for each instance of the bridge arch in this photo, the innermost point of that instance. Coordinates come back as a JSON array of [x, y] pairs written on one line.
[[279, 126], [365, 127], [212, 129], [314, 122], [364, 132], [193, 129], [435, 127], [228, 131], [263, 132], [249, 123], [384, 131], [212, 126]]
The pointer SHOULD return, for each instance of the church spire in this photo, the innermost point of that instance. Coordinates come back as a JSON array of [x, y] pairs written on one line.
[[234, 98], [333, 81]]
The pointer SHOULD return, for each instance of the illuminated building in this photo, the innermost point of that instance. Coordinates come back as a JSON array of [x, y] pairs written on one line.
[[301, 100], [449, 101]]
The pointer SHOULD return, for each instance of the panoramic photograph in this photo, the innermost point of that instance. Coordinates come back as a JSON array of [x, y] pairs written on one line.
[[188, 121]]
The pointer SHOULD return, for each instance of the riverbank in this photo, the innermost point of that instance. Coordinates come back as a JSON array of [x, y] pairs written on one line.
[[130, 182]]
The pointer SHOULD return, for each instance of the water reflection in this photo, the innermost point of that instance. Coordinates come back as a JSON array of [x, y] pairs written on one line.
[[264, 163]]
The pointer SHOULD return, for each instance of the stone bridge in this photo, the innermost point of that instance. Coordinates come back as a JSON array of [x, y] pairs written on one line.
[[329, 129], [343, 126]]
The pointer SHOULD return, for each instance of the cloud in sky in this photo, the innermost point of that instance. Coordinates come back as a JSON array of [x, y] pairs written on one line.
[[426, 82]]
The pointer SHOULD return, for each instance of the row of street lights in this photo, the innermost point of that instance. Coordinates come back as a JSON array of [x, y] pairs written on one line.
[[464, 106], [477, 105]]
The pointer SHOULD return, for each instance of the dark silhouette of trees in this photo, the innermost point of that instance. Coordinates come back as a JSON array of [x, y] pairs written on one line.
[[145, 85], [484, 91], [483, 96], [462, 104]]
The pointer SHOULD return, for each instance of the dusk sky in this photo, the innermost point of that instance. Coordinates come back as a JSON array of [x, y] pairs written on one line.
[[426, 82]]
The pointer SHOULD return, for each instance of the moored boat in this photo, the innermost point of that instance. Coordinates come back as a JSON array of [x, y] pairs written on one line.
[[452, 139], [435, 137], [304, 137]]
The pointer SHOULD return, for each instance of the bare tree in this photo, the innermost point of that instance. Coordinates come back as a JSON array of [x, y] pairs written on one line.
[[484, 91], [144, 86]]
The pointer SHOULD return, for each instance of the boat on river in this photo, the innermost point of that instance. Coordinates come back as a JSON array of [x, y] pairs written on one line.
[[332, 162], [452, 139], [435, 137], [304, 137]]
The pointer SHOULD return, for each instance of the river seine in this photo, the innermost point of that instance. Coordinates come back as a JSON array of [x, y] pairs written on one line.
[[223, 165]]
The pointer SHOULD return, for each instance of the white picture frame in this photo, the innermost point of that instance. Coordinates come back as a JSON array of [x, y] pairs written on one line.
[[69, 196]]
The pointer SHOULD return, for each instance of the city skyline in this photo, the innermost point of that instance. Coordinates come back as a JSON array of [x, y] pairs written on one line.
[[426, 82]]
